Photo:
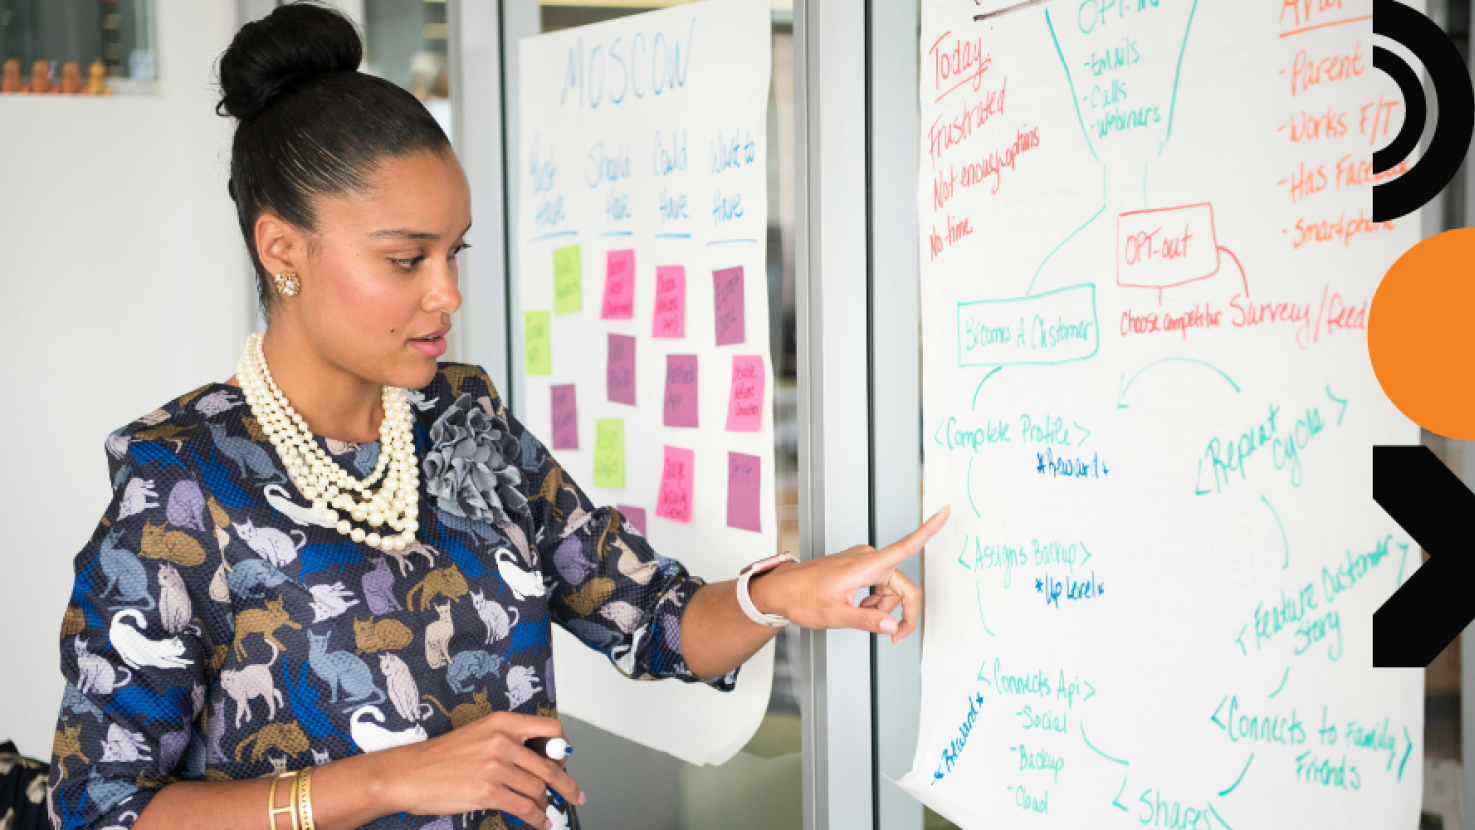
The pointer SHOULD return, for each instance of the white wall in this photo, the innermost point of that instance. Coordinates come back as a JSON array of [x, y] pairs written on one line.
[[124, 285]]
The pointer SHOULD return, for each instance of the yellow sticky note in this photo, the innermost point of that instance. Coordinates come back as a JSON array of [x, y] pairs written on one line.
[[568, 285], [609, 453], [537, 343]]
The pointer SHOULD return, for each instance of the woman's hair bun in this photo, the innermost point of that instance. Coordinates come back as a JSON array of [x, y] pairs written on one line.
[[293, 42]]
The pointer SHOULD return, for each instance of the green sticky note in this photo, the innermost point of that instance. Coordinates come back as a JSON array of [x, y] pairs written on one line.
[[609, 453], [537, 343], [568, 285]]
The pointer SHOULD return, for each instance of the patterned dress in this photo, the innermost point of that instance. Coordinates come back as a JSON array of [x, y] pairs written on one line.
[[217, 631]]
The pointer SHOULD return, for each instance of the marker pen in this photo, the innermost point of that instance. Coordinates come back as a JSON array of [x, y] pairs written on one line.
[[554, 749]]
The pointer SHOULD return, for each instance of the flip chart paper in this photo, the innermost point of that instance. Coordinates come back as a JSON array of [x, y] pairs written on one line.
[[568, 285], [619, 285], [670, 313], [565, 417], [679, 179], [636, 515], [729, 301], [744, 489], [609, 453], [678, 480], [620, 377], [1148, 400], [745, 402], [681, 390], [537, 350]]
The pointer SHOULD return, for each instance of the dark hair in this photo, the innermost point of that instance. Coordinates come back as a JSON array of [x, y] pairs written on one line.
[[309, 124]]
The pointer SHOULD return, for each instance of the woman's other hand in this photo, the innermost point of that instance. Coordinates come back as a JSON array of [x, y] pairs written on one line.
[[482, 766], [818, 593]]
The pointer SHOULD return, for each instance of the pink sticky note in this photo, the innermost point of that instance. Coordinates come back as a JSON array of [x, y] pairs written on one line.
[[565, 417], [745, 403], [619, 285], [677, 482], [744, 490], [727, 294], [620, 371], [670, 317], [635, 515], [681, 390]]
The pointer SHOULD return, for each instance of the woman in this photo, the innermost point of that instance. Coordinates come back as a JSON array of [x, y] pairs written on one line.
[[275, 589]]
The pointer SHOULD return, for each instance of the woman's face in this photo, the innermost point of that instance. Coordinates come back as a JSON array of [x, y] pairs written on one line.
[[380, 282]]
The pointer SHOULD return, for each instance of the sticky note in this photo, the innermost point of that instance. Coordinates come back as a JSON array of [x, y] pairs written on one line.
[[677, 482], [744, 489], [727, 296], [670, 316], [609, 453], [681, 390], [634, 515], [537, 343], [620, 371], [619, 285], [565, 417], [568, 286], [745, 402]]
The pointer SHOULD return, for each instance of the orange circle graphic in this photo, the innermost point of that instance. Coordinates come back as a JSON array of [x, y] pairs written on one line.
[[1420, 334]]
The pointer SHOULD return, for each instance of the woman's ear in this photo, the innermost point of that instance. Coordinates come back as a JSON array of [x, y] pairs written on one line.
[[279, 245]]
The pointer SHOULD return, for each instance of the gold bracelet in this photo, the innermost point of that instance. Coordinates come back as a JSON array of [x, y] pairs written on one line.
[[272, 810], [304, 799]]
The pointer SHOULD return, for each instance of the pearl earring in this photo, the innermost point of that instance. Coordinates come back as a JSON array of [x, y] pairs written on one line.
[[288, 284]]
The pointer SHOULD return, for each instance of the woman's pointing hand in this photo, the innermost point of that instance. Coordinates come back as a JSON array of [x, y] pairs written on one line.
[[818, 593]]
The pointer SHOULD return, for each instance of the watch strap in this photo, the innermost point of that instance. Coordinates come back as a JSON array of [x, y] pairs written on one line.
[[745, 599]]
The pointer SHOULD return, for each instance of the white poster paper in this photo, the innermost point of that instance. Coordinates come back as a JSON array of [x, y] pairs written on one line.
[[1149, 402], [643, 220]]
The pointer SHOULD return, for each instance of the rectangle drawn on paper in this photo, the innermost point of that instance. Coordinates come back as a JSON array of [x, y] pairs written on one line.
[[1052, 327], [1164, 247]]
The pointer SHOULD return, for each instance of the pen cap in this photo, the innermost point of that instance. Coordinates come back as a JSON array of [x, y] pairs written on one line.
[[554, 748]]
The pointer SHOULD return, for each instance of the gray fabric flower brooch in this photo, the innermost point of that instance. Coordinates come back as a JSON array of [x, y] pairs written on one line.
[[471, 469]]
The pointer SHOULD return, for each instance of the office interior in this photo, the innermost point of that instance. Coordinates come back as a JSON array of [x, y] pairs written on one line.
[[127, 282]]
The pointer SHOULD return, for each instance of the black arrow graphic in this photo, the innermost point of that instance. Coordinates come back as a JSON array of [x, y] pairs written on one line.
[[1434, 507]]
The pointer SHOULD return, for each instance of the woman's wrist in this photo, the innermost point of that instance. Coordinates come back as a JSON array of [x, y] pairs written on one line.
[[766, 589], [384, 780], [369, 782]]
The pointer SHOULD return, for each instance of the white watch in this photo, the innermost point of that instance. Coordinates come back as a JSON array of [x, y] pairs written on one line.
[[746, 600]]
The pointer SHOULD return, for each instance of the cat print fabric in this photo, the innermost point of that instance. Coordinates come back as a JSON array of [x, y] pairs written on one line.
[[218, 630]]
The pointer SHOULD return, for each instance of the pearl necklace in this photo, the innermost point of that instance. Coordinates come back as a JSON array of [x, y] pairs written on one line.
[[321, 480]]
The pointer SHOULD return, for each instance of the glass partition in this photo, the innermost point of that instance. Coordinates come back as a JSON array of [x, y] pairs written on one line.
[[631, 785], [406, 42]]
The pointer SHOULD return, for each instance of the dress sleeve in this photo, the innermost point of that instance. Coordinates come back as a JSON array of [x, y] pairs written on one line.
[[138, 641], [609, 588]]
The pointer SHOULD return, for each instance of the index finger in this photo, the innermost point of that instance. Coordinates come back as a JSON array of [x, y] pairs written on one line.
[[902, 549]]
